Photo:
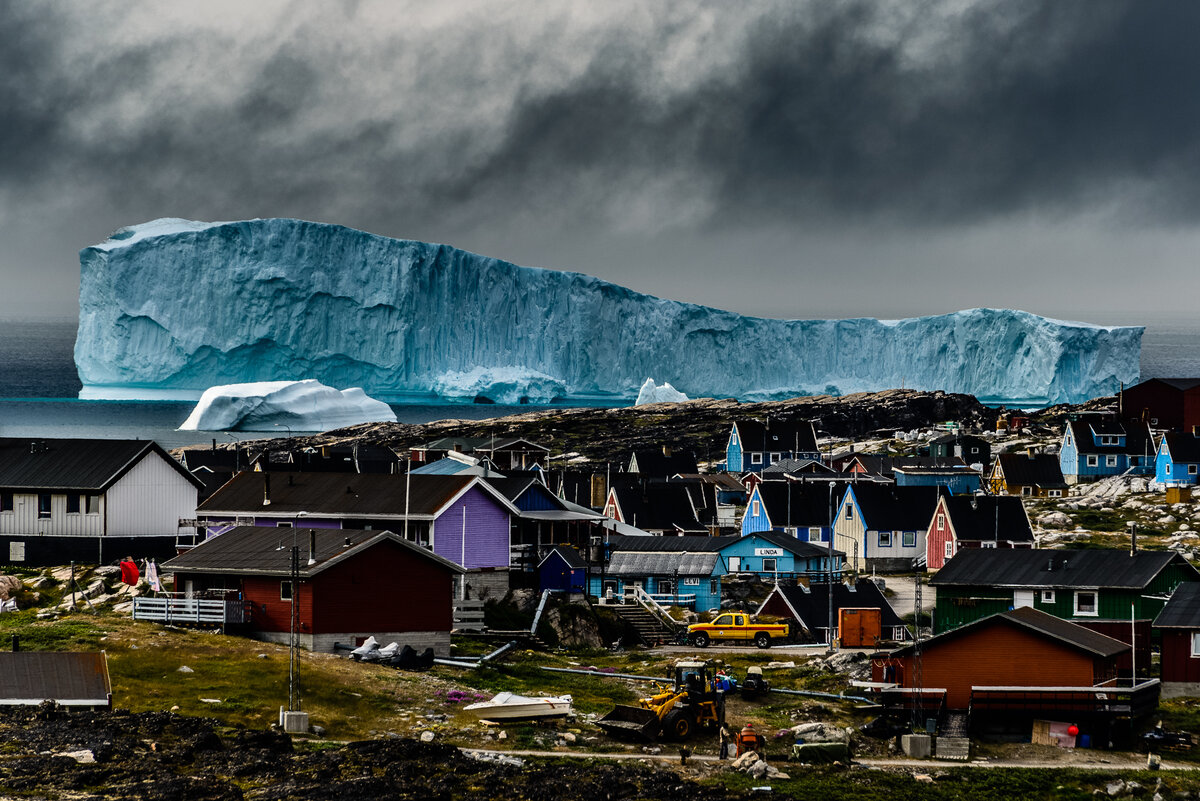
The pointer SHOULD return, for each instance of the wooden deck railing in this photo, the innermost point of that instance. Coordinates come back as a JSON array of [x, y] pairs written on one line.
[[173, 608]]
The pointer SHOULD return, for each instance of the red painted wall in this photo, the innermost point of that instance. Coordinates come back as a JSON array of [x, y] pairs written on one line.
[[1178, 664]]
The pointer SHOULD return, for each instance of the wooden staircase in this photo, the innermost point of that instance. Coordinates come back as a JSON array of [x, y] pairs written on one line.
[[650, 629], [952, 741]]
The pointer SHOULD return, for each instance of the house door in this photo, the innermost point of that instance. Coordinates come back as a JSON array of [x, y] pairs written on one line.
[[1022, 598]]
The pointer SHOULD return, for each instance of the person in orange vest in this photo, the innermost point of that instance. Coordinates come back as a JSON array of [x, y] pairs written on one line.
[[749, 740]]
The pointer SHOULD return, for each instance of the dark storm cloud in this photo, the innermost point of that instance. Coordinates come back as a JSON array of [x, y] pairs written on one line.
[[444, 121]]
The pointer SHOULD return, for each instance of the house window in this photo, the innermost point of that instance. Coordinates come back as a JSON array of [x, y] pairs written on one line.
[[1168, 468], [93, 504], [768, 565], [714, 586], [1191, 469], [885, 539], [16, 551], [815, 534], [1027, 491], [1134, 461], [1047, 596], [910, 539], [1093, 461], [6, 501], [1085, 603], [941, 524], [974, 450], [756, 458], [285, 590], [44, 505], [1110, 461], [1055, 493], [735, 564], [754, 509], [849, 511], [949, 552], [1196, 643], [73, 504], [283, 524], [988, 544]]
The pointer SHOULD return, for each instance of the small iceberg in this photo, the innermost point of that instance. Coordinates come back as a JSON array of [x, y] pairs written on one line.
[[296, 405], [658, 393]]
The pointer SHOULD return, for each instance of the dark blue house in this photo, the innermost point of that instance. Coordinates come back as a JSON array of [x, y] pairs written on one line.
[[1178, 460], [563, 569], [803, 510], [753, 445], [1096, 448]]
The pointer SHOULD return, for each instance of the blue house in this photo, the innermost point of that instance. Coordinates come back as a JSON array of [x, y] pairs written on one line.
[[1097, 448], [959, 480], [753, 445], [774, 556], [803, 510], [1178, 458], [563, 569]]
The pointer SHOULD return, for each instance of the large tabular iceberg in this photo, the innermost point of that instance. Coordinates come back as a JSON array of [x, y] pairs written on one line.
[[294, 405], [174, 306]]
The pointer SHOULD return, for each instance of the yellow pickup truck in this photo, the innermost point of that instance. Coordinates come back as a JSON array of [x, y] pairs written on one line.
[[736, 626]]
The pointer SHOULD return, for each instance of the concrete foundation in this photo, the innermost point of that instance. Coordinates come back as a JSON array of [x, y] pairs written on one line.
[[1177, 689], [916, 746], [439, 641]]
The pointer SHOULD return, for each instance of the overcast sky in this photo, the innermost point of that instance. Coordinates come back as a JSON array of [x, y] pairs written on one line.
[[786, 159]]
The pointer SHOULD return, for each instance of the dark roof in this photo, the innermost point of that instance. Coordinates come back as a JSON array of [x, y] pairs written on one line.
[[568, 554], [513, 487], [1138, 440], [884, 464], [1183, 610], [76, 464], [989, 517], [1038, 470], [1183, 384], [1184, 447], [656, 464], [485, 444], [723, 481], [222, 461], [886, 506], [949, 439], [797, 436], [1023, 567], [713, 544], [812, 603], [30, 677], [797, 466], [339, 494], [1038, 622], [655, 505], [800, 504], [265, 550]]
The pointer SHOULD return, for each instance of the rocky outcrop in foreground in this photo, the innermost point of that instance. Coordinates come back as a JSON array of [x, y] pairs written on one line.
[[50, 753]]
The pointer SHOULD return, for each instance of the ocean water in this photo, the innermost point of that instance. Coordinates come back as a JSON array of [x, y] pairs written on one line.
[[39, 387]]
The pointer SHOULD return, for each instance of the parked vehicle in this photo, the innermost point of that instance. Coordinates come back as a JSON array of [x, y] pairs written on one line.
[[692, 702], [737, 627]]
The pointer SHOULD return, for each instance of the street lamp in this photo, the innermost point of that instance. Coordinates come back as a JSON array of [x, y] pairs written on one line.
[[829, 565], [285, 425]]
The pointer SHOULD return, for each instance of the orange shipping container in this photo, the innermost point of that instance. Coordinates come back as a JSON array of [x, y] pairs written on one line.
[[860, 628]]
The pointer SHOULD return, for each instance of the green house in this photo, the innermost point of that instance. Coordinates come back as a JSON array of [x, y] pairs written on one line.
[[1112, 592]]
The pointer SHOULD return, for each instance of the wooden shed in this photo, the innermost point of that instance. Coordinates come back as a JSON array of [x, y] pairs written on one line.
[[76, 680]]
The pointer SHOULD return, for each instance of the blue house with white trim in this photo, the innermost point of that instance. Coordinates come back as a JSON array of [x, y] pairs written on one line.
[[753, 445], [803, 510], [1097, 448], [1178, 460]]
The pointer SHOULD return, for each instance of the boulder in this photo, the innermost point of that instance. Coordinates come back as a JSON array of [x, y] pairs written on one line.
[[9, 586]]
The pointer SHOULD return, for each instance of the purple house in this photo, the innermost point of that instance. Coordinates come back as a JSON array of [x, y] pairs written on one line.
[[460, 518]]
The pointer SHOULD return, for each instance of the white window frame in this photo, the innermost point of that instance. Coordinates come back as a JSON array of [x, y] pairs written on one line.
[[1195, 644], [1168, 468], [885, 539], [1192, 469], [285, 590], [770, 565], [988, 544], [948, 551], [1093, 461], [755, 508], [941, 522], [1095, 603], [756, 457], [849, 511], [1110, 460], [1047, 596], [714, 586], [819, 534], [774, 458], [1027, 491], [1054, 493]]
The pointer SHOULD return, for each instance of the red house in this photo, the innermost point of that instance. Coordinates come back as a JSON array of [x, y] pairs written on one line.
[[352, 585], [1164, 403], [1179, 626], [975, 521], [1020, 649]]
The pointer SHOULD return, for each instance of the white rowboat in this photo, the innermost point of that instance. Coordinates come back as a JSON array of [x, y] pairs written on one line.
[[510, 706]]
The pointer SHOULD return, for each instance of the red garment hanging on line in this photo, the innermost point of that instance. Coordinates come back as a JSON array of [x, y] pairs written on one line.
[[129, 573]]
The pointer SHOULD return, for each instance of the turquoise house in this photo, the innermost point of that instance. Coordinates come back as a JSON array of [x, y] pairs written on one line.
[[1097, 448]]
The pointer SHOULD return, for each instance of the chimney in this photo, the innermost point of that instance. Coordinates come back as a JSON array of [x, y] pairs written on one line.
[[312, 546], [1133, 539], [266, 489], [1050, 565]]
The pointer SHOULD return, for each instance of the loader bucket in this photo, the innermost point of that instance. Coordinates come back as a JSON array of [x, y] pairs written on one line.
[[631, 721]]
